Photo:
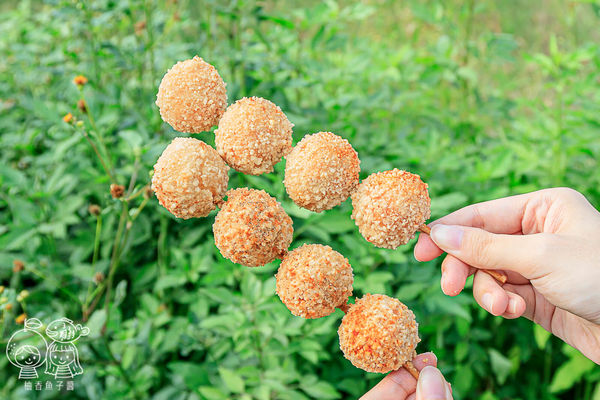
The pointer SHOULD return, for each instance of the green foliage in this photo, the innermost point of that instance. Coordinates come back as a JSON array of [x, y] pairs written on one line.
[[473, 96]]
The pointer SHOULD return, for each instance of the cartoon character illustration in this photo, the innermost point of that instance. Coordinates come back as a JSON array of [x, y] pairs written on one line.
[[63, 358], [27, 349]]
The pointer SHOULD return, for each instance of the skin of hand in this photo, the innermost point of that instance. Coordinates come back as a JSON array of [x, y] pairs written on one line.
[[548, 243], [400, 384]]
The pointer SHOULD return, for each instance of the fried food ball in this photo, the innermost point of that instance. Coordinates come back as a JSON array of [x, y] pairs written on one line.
[[321, 171], [378, 334], [192, 96], [313, 280], [252, 228], [253, 135], [389, 207], [190, 178]]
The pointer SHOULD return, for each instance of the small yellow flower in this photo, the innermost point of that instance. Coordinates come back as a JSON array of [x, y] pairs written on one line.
[[68, 118], [2, 289], [3, 299], [80, 80], [21, 318], [23, 295]]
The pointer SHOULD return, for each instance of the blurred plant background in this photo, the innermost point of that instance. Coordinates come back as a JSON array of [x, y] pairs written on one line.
[[481, 98]]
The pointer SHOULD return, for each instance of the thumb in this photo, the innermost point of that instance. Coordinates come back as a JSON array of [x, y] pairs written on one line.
[[432, 385], [529, 255]]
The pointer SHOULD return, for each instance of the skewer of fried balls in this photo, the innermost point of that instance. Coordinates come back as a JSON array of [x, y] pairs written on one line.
[[378, 333]]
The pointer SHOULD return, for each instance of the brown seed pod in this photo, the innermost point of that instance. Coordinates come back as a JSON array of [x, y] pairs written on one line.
[[390, 206], [378, 334], [192, 96], [313, 280], [190, 178], [321, 171], [253, 135], [252, 228]]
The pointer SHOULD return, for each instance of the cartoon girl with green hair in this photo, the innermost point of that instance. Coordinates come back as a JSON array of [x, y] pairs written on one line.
[[63, 358]]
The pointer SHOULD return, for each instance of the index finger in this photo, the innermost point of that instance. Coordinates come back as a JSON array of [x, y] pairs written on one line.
[[400, 384], [503, 215]]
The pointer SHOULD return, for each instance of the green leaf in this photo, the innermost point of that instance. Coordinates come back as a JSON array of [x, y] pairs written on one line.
[[321, 390], [570, 372], [232, 380], [96, 322], [501, 365], [541, 336]]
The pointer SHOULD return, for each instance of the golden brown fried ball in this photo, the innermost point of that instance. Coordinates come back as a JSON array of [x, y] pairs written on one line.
[[313, 280], [389, 207], [253, 135], [378, 334], [252, 228], [190, 178], [192, 96], [321, 171]]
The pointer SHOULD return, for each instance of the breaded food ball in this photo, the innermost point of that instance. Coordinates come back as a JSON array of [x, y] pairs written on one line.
[[313, 280], [321, 171], [378, 334], [192, 96], [252, 228], [253, 135], [190, 178], [389, 207]]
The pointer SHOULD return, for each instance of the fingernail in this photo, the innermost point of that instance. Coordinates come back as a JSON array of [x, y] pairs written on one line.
[[448, 237], [488, 301], [431, 385], [429, 358], [512, 305]]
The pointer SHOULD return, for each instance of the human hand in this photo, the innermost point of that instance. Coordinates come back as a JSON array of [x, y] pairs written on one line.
[[548, 243], [400, 384]]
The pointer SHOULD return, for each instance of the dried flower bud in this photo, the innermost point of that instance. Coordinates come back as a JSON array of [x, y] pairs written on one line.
[[94, 209], [139, 27], [68, 118], [117, 191], [18, 265], [98, 278], [8, 307], [80, 80], [82, 105], [21, 318]]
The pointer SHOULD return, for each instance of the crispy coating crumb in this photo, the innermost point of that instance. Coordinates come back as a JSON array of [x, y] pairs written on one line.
[[190, 178], [389, 207], [321, 171], [378, 334], [253, 135], [252, 228], [313, 280], [192, 96]]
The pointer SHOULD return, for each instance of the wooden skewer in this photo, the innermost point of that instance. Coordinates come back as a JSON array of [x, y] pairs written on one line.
[[409, 366], [344, 308], [497, 275]]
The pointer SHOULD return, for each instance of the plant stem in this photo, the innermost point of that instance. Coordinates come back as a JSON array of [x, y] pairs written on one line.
[[106, 169], [122, 370], [114, 262], [94, 259]]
